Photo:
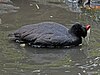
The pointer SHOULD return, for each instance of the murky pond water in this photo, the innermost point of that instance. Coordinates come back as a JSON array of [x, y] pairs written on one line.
[[15, 60]]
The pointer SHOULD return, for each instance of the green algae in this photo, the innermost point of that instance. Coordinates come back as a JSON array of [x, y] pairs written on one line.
[[94, 53]]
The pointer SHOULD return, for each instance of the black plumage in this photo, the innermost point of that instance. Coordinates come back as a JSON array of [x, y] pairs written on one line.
[[50, 34]]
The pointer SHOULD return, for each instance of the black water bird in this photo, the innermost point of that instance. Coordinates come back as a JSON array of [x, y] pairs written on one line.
[[48, 34]]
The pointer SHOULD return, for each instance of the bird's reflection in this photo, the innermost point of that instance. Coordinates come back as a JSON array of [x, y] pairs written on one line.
[[50, 55]]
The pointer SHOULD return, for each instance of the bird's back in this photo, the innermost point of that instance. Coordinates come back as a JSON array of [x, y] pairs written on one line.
[[46, 33]]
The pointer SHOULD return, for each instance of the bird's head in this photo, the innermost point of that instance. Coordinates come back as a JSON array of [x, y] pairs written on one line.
[[80, 30]]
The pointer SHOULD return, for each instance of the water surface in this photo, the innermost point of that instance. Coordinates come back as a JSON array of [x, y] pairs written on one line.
[[15, 60]]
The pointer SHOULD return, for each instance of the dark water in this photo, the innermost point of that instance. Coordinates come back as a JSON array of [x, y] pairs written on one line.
[[15, 60]]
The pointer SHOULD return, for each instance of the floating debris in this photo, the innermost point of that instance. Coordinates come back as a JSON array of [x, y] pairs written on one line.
[[51, 16], [81, 49], [91, 62], [31, 4], [79, 73], [67, 71], [22, 45], [36, 71], [84, 71], [17, 41], [37, 6]]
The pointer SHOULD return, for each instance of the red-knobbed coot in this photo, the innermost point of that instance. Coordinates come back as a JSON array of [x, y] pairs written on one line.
[[47, 34]]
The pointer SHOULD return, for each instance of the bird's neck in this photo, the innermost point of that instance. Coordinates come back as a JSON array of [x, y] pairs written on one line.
[[75, 39], [73, 33]]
